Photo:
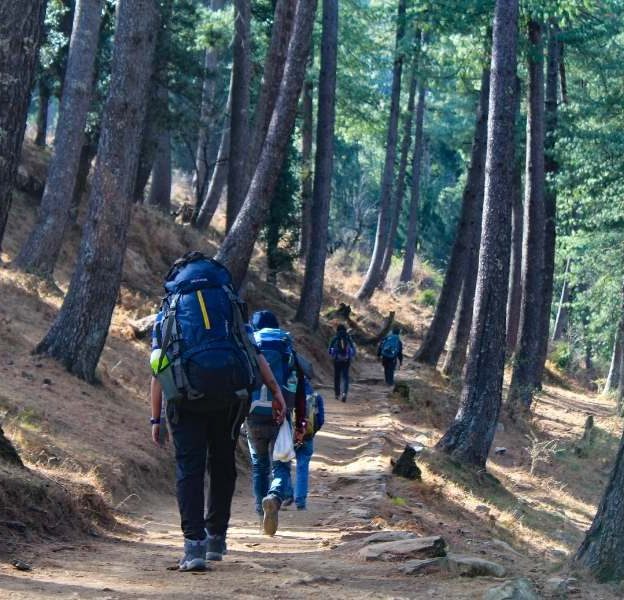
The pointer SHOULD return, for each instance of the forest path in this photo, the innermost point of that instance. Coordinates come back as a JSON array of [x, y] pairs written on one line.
[[312, 554]]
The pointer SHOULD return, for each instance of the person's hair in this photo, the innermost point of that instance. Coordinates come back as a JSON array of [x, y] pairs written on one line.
[[341, 328], [263, 319], [396, 330]]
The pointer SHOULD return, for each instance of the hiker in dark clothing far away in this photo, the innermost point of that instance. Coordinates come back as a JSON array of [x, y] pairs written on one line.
[[342, 351], [390, 352], [205, 364]]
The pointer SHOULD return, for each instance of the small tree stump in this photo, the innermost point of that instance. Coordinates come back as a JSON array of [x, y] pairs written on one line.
[[406, 465]]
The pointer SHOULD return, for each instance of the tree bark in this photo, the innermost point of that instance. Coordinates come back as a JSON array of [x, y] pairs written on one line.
[[87, 154], [21, 24], [79, 332], [237, 248], [470, 436], [514, 299], [399, 192], [207, 115], [602, 550], [312, 292], [239, 122], [561, 321], [307, 108], [550, 197], [160, 191], [271, 77], [411, 240], [526, 356], [456, 355], [613, 377], [203, 215], [41, 135], [385, 196], [435, 339], [40, 252]]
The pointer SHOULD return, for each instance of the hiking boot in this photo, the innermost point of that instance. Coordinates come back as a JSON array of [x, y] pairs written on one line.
[[270, 506], [287, 502], [216, 547], [301, 507], [194, 558], [337, 398], [344, 398]]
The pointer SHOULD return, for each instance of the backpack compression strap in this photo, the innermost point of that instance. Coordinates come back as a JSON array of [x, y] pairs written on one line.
[[169, 322]]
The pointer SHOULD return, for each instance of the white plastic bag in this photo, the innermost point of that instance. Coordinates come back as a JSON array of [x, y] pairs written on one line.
[[284, 449]]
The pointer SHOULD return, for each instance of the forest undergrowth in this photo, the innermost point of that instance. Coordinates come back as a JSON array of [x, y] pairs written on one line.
[[89, 458]]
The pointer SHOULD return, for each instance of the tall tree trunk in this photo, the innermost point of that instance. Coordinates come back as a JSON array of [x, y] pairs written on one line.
[[79, 332], [562, 319], [237, 248], [160, 191], [21, 24], [470, 436], [613, 377], [271, 77], [399, 192], [411, 240], [239, 122], [439, 328], [602, 550], [526, 356], [550, 197], [312, 293], [203, 213], [40, 252], [385, 195], [87, 154], [456, 355], [307, 108], [41, 135], [206, 117], [514, 298]]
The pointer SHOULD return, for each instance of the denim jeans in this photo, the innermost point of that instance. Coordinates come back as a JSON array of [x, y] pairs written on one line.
[[267, 477], [341, 377], [389, 365], [304, 454], [200, 440]]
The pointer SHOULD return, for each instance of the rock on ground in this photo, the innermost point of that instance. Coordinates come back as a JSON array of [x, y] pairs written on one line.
[[515, 589], [425, 547]]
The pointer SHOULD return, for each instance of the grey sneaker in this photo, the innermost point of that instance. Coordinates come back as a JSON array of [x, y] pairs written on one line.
[[270, 506], [194, 558], [216, 547]]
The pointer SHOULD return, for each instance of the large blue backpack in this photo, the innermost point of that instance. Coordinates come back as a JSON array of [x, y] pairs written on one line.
[[277, 347], [203, 333], [390, 346]]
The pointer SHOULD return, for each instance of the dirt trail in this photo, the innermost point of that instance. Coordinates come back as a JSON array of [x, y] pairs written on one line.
[[312, 554]]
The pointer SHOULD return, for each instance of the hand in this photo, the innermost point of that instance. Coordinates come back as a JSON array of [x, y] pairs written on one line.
[[156, 435], [279, 409], [299, 433]]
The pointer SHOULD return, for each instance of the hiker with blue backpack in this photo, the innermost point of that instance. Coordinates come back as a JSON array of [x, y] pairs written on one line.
[[390, 351], [205, 364], [342, 350], [304, 449], [271, 479]]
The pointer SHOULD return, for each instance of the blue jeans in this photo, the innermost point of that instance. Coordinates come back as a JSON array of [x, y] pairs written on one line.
[[341, 377], [389, 365], [267, 477], [304, 454]]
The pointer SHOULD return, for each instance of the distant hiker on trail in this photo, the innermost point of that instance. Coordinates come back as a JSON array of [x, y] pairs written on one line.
[[271, 479], [342, 350], [205, 363], [304, 449], [390, 352]]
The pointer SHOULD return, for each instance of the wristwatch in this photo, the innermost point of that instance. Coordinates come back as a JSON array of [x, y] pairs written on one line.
[[155, 421]]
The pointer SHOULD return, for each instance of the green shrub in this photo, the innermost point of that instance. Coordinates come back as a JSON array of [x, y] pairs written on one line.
[[428, 298], [561, 356]]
